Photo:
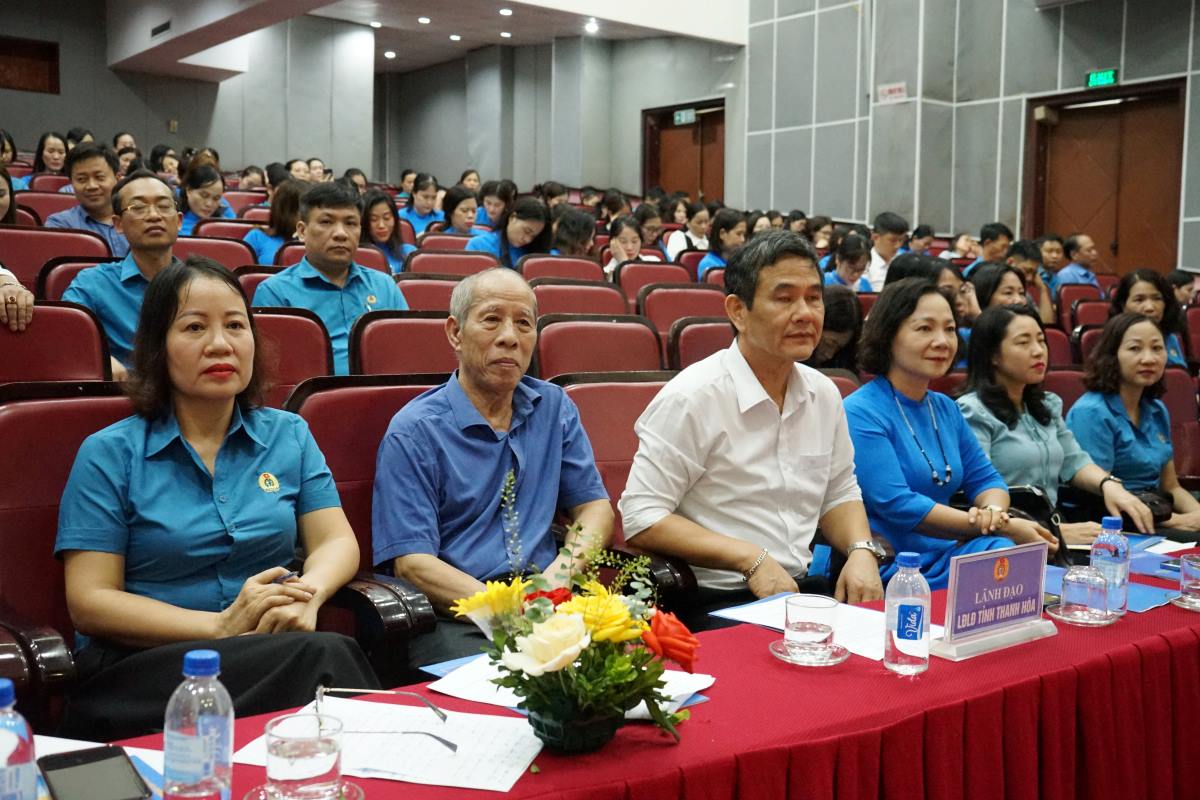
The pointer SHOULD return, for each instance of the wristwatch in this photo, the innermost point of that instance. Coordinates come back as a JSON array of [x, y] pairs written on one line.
[[1106, 479], [869, 544]]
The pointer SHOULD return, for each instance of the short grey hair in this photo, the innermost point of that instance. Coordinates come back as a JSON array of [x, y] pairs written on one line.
[[462, 299]]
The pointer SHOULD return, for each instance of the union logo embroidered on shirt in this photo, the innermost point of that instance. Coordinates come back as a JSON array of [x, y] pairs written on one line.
[[372, 300], [268, 482]]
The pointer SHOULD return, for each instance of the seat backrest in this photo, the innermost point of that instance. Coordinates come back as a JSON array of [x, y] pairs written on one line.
[[251, 275], [570, 343], [408, 234], [401, 343], [866, 301], [223, 228], [1059, 346], [564, 296], [256, 214], [239, 199], [690, 260], [845, 380], [426, 292], [693, 339], [27, 218], [1068, 293], [1192, 315], [229, 253], [633, 275], [577, 267], [1067, 384], [450, 262], [1108, 282], [1087, 339], [57, 273], [64, 343], [716, 277], [350, 450], [948, 383], [607, 410], [19, 170], [46, 203], [48, 183], [41, 436], [443, 241], [25, 250], [1091, 312], [1179, 395], [295, 348], [663, 303]]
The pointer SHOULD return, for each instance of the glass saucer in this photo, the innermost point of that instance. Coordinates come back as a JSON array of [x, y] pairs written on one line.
[[1086, 618], [347, 791], [835, 655], [1182, 603]]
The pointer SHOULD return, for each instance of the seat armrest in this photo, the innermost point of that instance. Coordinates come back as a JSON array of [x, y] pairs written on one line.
[[50, 658]]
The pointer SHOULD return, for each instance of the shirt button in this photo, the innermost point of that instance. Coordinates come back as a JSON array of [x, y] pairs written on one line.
[[223, 499], [232, 528]]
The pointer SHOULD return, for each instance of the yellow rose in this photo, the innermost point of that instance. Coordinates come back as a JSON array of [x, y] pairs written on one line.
[[605, 616], [496, 598], [551, 645]]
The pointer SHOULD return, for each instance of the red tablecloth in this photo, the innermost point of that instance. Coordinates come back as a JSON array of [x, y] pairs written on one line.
[[1103, 713]]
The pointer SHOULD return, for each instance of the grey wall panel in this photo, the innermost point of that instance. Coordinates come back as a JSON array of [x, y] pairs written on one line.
[[1011, 127], [787, 7], [761, 10], [758, 170], [761, 77], [429, 121], [975, 165], [1031, 49], [566, 137], [896, 41], [837, 60], [485, 77], [309, 86], [1091, 39], [937, 136], [1191, 200], [1156, 38], [937, 77], [893, 159], [596, 96], [979, 31], [794, 72], [860, 161], [1189, 257], [833, 170], [351, 110], [793, 169], [262, 90]]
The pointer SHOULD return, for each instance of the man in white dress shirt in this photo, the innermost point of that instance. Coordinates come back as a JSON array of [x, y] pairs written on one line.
[[742, 455], [887, 237]]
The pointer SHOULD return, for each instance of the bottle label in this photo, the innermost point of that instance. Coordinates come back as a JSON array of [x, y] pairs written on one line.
[[910, 622], [18, 782], [190, 758]]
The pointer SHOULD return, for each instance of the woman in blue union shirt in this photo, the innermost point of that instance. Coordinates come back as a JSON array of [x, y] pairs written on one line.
[[380, 229], [421, 209], [728, 233], [1122, 424], [200, 197], [524, 230], [285, 212], [176, 525], [1144, 291], [912, 448]]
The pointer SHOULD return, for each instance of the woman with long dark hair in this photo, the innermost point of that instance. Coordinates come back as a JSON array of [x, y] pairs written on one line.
[[1144, 291], [381, 230], [281, 227], [523, 230]]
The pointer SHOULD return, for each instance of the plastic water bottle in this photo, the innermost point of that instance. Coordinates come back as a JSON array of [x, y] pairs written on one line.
[[906, 639], [18, 769], [198, 746], [1110, 555]]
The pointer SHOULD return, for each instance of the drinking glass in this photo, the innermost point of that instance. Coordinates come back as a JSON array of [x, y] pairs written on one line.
[[304, 757], [1084, 596], [808, 627], [1189, 581]]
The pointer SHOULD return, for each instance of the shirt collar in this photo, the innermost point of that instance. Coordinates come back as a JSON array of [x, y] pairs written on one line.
[[1146, 406], [466, 415], [750, 392], [165, 430], [129, 268], [306, 270]]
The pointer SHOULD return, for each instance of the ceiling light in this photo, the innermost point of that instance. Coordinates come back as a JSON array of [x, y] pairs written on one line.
[[389, 53], [376, 24], [423, 20], [506, 12], [505, 35], [454, 37], [592, 26]]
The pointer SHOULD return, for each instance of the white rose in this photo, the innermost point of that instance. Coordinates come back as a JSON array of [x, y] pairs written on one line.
[[552, 645]]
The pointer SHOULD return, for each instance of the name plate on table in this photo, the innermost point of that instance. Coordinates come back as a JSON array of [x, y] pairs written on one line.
[[994, 601]]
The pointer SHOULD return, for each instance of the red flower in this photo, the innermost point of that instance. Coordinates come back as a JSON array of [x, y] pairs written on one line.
[[669, 638], [556, 596]]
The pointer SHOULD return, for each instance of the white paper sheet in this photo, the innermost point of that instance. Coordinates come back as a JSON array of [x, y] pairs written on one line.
[[1166, 546], [473, 681], [493, 752], [859, 630]]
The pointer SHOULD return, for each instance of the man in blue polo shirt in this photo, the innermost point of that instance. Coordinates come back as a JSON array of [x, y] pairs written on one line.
[[1080, 248], [93, 172], [994, 240], [327, 281], [144, 213], [439, 519]]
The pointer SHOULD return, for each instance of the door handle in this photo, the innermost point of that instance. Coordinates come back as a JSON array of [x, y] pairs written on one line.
[[1112, 247]]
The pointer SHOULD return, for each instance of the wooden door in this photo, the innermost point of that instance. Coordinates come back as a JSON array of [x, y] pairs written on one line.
[[1151, 171], [687, 158]]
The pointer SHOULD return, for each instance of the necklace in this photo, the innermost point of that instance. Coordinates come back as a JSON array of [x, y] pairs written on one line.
[[933, 473]]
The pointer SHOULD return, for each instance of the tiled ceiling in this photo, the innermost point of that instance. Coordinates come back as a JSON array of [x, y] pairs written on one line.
[[478, 22]]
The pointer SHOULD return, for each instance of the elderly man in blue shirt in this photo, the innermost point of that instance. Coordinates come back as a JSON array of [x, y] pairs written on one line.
[[93, 170], [1080, 248], [144, 213], [439, 518], [327, 281]]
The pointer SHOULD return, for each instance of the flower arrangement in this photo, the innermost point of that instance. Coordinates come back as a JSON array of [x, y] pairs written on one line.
[[589, 652]]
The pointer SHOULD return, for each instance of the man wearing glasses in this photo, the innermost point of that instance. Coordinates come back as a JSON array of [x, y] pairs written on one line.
[[144, 211]]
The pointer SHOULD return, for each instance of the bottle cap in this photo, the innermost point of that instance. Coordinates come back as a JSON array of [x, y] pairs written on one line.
[[201, 663], [7, 692], [1111, 523], [907, 560]]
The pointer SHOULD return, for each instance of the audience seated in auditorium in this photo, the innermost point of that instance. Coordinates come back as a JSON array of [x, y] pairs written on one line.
[[144, 213], [164, 161], [358, 178], [250, 178], [157, 564], [552, 193], [281, 228], [838, 346], [470, 179], [1122, 423], [796, 220], [48, 158], [78, 136], [438, 519], [496, 198], [327, 281], [912, 447], [818, 229], [1182, 286], [850, 261], [919, 241], [298, 169], [1081, 252], [317, 172], [122, 140], [1146, 292], [649, 220], [624, 244], [522, 230], [887, 235], [200, 196], [674, 211], [8, 148], [129, 159], [16, 302], [1025, 256], [693, 235], [458, 208], [93, 170], [742, 455], [962, 246], [728, 233], [998, 285], [381, 228], [574, 232], [407, 177], [613, 205], [994, 240], [758, 222], [421, 208], [1020, 427], [8, 199]]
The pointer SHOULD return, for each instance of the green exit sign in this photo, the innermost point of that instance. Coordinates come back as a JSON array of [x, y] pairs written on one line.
[[685, 116], [1101, 77]]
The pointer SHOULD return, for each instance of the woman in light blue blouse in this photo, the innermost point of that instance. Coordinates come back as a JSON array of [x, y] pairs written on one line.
[[200, 197], [177, 524], [421, 209], [1020, 427], [458, 206], [523, 230], [285, 212], [381, 230], [1122, 424], [912, 448]]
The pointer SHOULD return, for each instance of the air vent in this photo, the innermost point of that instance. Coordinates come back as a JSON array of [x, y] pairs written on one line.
[[157, 29]]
